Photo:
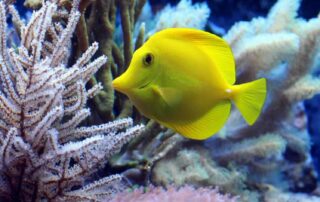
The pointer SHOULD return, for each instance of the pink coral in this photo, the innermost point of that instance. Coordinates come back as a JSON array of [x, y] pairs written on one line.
[[183, 194]]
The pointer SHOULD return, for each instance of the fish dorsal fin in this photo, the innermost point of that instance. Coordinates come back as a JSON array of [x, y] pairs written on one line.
[[214, 46], [207, 125]]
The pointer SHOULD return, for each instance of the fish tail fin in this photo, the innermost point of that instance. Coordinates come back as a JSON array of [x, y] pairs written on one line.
[[249, 99]]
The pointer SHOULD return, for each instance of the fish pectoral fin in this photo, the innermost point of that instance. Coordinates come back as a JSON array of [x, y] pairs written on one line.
[[207, 125], [170, 96]]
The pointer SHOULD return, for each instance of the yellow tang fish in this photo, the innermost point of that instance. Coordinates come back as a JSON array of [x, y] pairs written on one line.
[[184, 79]]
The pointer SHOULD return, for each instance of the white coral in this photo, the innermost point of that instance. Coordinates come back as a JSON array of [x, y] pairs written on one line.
[[283, 48], [183, 15], [43, 152]]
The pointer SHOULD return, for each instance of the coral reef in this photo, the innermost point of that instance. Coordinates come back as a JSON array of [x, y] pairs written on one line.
[[282, 48], [44, 153], [194, 166], [182, 194], [276, 150], [265, 162], [283, 51]]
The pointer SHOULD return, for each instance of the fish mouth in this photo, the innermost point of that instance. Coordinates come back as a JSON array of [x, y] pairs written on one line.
[[144, 85]]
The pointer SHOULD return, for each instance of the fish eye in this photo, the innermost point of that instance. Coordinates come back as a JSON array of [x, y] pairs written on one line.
[[148, 59]]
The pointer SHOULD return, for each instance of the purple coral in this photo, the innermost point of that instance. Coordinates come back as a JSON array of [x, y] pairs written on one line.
[[183, 194]]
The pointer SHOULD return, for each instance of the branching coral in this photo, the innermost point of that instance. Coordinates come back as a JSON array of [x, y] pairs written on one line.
[[284, 52], [183, 194], [44, 154], [32, 3], [100, 26], [98, 23], [182, 15], [194, 166]]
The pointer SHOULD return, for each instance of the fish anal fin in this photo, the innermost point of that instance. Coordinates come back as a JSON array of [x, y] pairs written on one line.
[[207, 125]]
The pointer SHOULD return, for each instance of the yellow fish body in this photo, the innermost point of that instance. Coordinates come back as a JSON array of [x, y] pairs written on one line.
[[184, 79]]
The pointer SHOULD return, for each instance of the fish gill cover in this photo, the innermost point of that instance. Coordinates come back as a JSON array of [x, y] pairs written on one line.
[[53, 149]]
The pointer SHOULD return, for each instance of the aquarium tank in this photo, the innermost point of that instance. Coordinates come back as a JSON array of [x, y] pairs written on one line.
[[160, 100]]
